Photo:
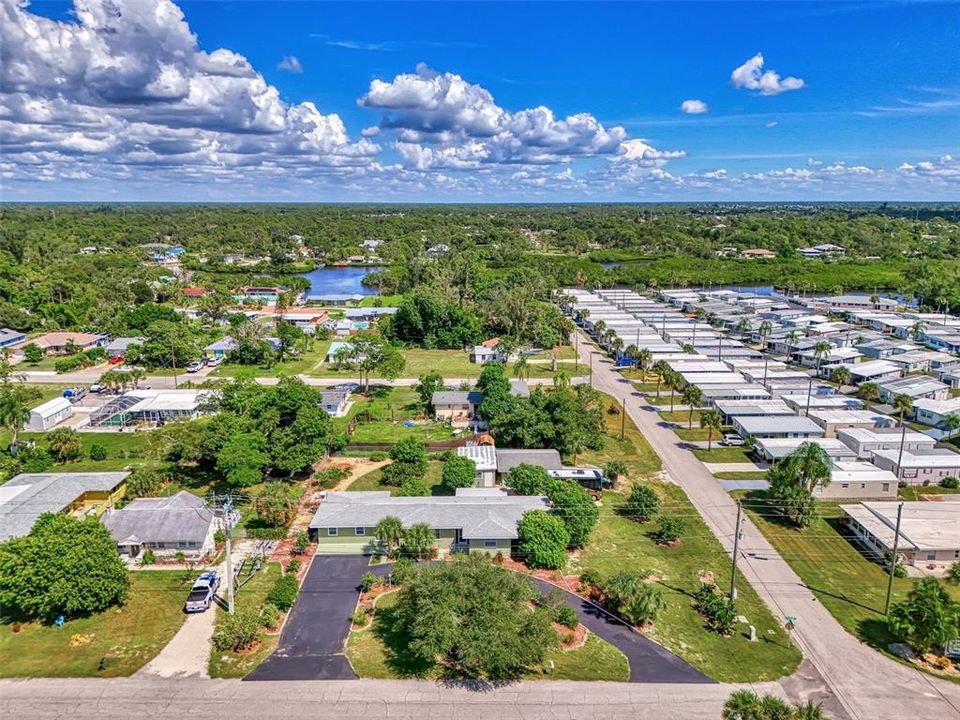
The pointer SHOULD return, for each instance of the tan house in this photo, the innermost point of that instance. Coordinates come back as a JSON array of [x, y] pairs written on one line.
[[758, 253], [457, 407], [56, 343], [929, 532]]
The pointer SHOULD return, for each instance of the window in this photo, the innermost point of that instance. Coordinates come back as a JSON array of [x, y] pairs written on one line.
[[489, 543], [360, 531], [931, 556], [331, 532], [183, 544], [161, 545], [886, 487], [436, 534], [844, 485]]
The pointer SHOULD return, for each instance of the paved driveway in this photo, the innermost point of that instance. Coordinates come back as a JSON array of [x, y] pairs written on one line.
[[312, 643]]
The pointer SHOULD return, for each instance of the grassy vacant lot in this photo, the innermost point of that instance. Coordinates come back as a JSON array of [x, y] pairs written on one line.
[[122, 639], [379, 652], [851, 587], [371, 481], [919, 492], [618, 543], [742, 475], [381, 415], [723, 455], [233, 665], [123, 449], [295, 366], [634, 449]]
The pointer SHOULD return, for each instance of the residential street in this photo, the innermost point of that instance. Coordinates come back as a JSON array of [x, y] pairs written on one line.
[[867, 685]]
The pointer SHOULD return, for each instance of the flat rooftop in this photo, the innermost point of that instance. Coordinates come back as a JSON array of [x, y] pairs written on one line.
[[923, 525]]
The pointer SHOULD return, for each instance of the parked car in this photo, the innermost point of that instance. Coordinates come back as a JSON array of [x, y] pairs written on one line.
[[732, 439], [214, 362], [74, 394], [202, 593], [98, 388], [195, 366]]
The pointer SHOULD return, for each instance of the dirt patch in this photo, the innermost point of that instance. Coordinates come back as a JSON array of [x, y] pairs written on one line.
[[571, 639], [358, 466]]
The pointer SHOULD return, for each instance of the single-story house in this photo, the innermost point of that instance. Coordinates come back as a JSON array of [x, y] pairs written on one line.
[[193, 292], [929, 532], [474, 519], [333, 300], [221, 348], [485, 459], [55, 343], [874, 371], [857, 480], [914, 387], [149, 406], [776, 449], [335, 402], [49, 414], [927, 466], [798, 402], [368, 314], [730, 409], [336, 347], [342, 328], [949, 375], [27, 496], [777, 426], [118, 346], [458, 407], [508, 458], [487, 352], [866, 441], [833, 420], [933, 412], [165, 525], [9, 338]]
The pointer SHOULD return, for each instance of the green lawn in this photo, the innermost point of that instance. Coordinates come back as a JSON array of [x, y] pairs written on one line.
[[919, 492], [123, 639], [695, 434], [851, 587], [634, 449], [230, 664], [723, 455], [288, 368], [744, 475], [371, 481], [618, 543], [681, 417], [378, 652], [449, 363], [380, 417], [123, 450]]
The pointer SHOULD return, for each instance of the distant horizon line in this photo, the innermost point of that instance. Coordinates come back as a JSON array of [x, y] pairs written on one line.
[[480, 203]]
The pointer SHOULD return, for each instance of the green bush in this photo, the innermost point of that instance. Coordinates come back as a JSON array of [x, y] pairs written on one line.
[[283, 594], [543, 540], [293, 567], [301, 543], [266, 533], [237, 631], [950, 483], [359, 618], [219, 536], [98, 452], [369, 581], [642, 504], [591, 578], [401, 570], [148, 558], [566, 616], [670, 530], [378, 456], [719, 610], [269, 616]]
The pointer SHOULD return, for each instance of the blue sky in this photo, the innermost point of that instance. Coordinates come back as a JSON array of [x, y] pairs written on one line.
[[864, 103]]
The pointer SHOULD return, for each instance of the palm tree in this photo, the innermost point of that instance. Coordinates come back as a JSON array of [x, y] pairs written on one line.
[[820, 351], [917, 329], [599, 326], [792, 338], [692, 397], [14, 408], [766, 327], [744, 326], [609, 335], [904, 405], [644, 359], [661, 368], [840, 376], [688, 349], [869, 392], [951, 423], [809, 710], [389, 531], [561, 380], [631, 351], [521, 367], [809, 465], [418, 539], [712, 422], [675, 382], [742, 705]]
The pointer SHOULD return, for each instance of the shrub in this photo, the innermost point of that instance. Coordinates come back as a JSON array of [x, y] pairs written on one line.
[[670, 530], [369, 581], [950, 483], [293, 566], [35, 460], [148, 558], [413, 487], [98, 452], [144, 482], [953, 574], [590, 578], [543, 540], [301, 543], [359, 618], [566, 616], [219, 536], [719, 610], [329, 477], [642, 504], [275, 505], [458, 472], [266, 533], [378, 456], [269, 616], [283, 594], [237, 631], [401, 571]]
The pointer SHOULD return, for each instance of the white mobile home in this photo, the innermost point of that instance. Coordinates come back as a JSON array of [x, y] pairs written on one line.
[[49, 414]]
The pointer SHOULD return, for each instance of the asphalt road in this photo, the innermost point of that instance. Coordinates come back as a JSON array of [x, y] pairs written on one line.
[[864, 684], [313, 640]]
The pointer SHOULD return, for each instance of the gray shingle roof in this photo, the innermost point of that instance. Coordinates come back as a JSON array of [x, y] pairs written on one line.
[[183, 517], [487, 516], [509, 459], [27, 496], [456, 397]]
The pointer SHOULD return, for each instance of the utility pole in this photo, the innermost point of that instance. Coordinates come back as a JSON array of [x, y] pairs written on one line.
[[591, 368], [223, 506], [893, 558], [736, 550], [623, 416], [903, 440], [809, 392], [576, 355]]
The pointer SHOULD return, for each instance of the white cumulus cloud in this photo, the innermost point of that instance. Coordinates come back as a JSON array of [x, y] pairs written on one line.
[[290, 63], [693, 107], [752, 76]]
